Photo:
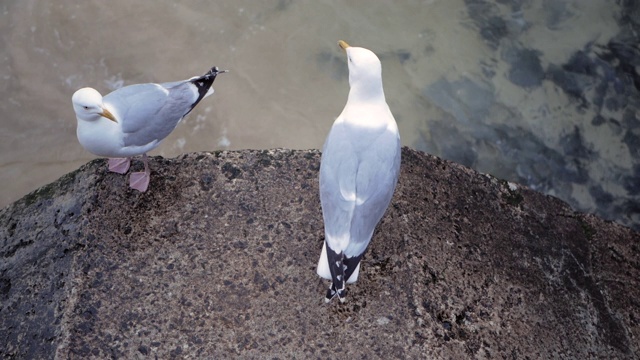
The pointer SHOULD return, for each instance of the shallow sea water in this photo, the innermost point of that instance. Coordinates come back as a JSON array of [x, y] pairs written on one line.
[[540, 92]]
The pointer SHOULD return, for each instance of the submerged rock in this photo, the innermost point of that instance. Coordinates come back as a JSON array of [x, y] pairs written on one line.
[[218, 260], [539, 74]]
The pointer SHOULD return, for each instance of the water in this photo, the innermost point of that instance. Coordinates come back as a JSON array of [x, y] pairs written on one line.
[[542, 92]]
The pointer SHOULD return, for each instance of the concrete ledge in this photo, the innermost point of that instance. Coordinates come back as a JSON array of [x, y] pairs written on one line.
[[218, 260]]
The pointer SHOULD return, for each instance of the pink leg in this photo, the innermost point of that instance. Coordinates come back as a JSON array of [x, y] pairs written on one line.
[[140, 180], [119, 165]]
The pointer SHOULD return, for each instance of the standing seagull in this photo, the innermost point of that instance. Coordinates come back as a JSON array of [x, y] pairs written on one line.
[[135, 119], [358, 171]]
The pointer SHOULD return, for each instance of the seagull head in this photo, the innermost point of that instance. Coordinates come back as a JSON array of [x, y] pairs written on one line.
[[87, 103], [365, 70]]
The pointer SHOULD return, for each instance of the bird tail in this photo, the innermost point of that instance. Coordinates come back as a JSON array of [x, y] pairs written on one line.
[[203, 84]]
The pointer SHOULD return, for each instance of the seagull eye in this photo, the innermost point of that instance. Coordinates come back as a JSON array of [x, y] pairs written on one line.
[[86, 107]]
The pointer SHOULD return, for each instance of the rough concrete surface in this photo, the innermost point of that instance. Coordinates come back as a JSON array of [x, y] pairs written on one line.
[[217, 260]]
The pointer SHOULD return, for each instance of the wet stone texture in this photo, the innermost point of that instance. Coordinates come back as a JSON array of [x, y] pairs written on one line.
[[217, 260]]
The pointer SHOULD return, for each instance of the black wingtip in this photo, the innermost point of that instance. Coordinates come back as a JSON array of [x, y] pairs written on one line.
[[204, 83], [337, 267], [337, 270], [215, 71], [331, 293], [350, 265], [341, 268]]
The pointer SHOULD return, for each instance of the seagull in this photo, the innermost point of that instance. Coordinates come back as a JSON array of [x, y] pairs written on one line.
[[358, 172], [133, 120]]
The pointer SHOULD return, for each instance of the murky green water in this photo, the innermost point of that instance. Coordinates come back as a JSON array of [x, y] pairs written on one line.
[[542, 92]]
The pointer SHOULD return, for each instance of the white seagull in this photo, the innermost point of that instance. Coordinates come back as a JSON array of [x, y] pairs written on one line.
[[358, 171], [135, 119]]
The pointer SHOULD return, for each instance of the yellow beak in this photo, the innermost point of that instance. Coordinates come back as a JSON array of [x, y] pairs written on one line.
[[343, 44], [108, 115]]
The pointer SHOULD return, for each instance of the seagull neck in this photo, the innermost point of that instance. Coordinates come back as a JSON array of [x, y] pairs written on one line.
[[369, 91]]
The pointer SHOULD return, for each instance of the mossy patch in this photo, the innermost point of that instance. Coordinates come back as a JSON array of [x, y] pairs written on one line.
[[513, 198], [48, 191], [587, 229]]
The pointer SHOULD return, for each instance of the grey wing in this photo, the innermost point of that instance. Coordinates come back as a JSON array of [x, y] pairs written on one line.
[[376, 180], [337, 184], [149, 112]]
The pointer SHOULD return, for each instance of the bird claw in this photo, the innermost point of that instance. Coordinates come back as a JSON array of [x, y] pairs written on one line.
[[119, 165]]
